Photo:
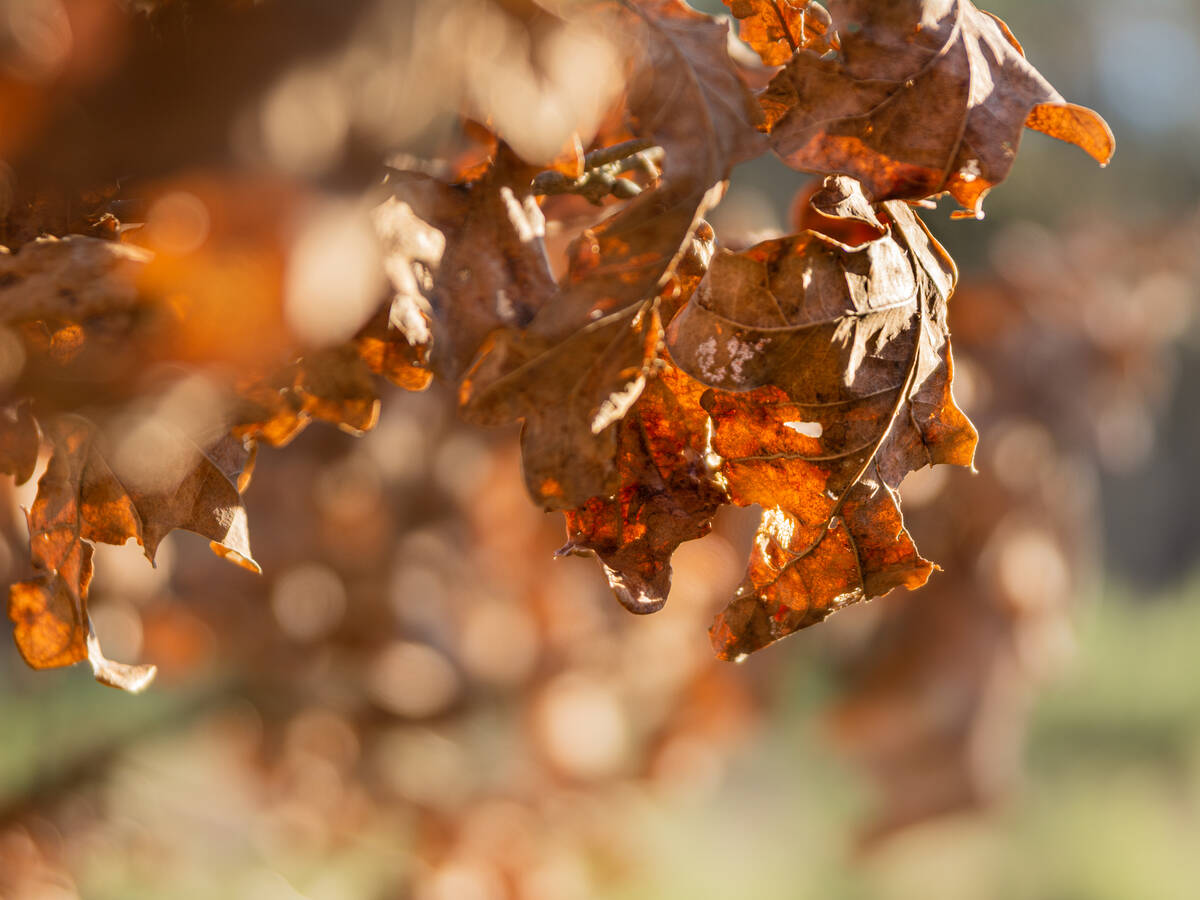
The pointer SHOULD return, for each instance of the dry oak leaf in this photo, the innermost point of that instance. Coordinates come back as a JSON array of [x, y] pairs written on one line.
[[69, 279], [777, 29], [333, 385], [49, 611], [581, 363], [396, 341], [926, 96], [832, 368], [395, 344], [19, 441], [80, 499], [667, 493]]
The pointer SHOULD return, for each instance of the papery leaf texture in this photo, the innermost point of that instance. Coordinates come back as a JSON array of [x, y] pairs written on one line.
[[582, 361], [831, 368], [924, 96], [667, 493], [166, 482], [777, 29]]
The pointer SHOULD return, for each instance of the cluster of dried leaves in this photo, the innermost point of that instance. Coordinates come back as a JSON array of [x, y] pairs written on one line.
[[658, 376], [1066, 376], [511, 724], [489, 713]]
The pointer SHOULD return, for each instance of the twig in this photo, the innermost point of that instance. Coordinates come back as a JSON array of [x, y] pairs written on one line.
[[601, 170]]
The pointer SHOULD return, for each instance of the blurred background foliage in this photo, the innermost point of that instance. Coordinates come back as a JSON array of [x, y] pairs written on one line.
[[417, 700]]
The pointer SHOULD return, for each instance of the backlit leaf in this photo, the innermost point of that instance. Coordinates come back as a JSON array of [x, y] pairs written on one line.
[[833, 369], [667, 493], [583, 360], [925, 96], [777, 29]]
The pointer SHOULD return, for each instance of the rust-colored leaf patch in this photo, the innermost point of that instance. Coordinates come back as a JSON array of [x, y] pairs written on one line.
[[777, 29], [18, 442], [667, 494], [332, 385], [80, 498]]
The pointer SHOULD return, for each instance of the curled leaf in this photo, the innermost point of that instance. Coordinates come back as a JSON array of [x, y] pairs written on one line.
[[333, 385], [777, 29], [122, 676], [832, 369], [467, 256], [926, 96], [80, 499], [667, 493], [596, 342], [18, 442]]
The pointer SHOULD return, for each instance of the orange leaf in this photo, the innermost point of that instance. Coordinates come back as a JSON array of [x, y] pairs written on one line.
[[777, 29], [667, 494], [833, 369]]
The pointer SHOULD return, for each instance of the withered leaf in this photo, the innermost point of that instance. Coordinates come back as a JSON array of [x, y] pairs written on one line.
[[833, 369], [926, 96], [68, 278], [49, 611], [333, 385], [667, 494], [468, 256], [583, 360], [385, 345], [336, 387], [171, 483], [166, 483], [776, 29], [18, 441], [396, 342]]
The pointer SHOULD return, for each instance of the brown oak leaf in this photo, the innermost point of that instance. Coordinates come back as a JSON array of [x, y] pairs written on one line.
[[832, 368], [18, 442], [333, 385], [49, 611], [926, 96], [395, 344], [667, 493], [583, 360], [69, 279], [776, 29], [396, 341], [467, 256], [169, 483]]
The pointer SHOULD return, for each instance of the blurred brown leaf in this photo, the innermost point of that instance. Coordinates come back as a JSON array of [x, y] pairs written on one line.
[[18, 442], [595, 343], [333, 385], [81, 499], [69, 278]]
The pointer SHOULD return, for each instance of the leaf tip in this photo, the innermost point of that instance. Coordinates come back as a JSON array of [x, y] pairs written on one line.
[[123, 677], [238, 559]]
